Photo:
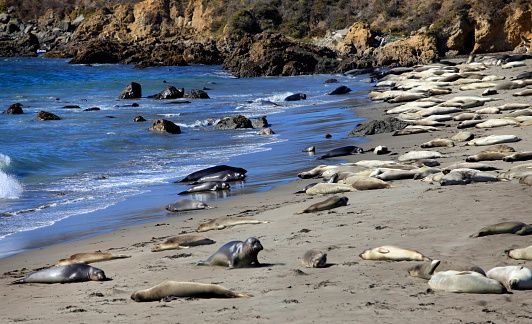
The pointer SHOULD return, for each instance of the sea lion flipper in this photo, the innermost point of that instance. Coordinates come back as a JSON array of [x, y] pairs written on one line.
[[383, 250], [18, 281], [434, 264]]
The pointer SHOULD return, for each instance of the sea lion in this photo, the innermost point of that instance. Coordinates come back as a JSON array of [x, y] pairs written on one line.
[[468, 124], [314, 259], [478, 85], [418, 155], [524, 93], [296, 97], [392, 253], [488, 111], [329, 203], [526, 180], [206, 186], [204, 172], [410, 131], [511, 65], [91, 257], [381, 150], [186, 204], [77, 272], [517, 172], [466, 116], [468, 165], [425, 270], [512, 277], [222, 176], [310, 149], [236, 254], [465, 282], [520, 156], [182, 242], [342, 151], [486, 156], [316, 171], [462, 137], [375, 163], [170, 288], [521, 254], [329, 188], [497, 122], [493, 139], [368, 183], [518, 228], [224, 222], [406, 97], [438, 142], [439, 111]]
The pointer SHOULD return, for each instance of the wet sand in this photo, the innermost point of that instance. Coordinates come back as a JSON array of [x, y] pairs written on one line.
[[435, 220]]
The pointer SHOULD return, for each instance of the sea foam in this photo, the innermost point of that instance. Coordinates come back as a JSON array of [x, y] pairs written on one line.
[[10, 188]]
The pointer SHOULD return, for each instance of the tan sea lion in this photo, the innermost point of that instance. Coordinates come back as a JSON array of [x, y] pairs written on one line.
[[438, 142], [170, 288], [182, 242], [518, 228], [500, 148], [90, 257], [524, 93], [410, 131], [425, 270], [329, 203], [521, 254], [392, 253], [77, 272], [236, 254], [466, 116], [512, 277], [497, 122], [224, 222], [488, 111], [486, 156], [469, 165], [520, 156], [462, 137], [493, 139], [329, 188], [368, 183], [419, 155], [314, 259], [465, 282], [526, 180]]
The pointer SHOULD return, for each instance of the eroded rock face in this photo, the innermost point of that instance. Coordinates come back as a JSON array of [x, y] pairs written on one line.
[[98, 51], [418, 49], [14, 109], [359, 37], [170, 93], [132, 91], [45, 115], [234, 122], [197, 94], [165, 126], [387, 125], [259, 122]]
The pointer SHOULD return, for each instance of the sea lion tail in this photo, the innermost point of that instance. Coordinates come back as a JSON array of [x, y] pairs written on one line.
[[182, 193], [475, 235], [202, 263], [19, 281], [243, 295], [122, 256]]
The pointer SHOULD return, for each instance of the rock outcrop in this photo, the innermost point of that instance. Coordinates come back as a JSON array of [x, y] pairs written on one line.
[[387, 125], [45, 115], [165, 126], [234, 122], [132, 91], [14, 109], [170, 93]]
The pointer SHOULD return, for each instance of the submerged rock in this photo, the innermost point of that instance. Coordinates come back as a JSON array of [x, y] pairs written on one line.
[[165, 126], [340, 91], [296, 97], [259, 122], [234, 123], [132, 91], [170, 93], [44, 115], [139, 119], [387, 125], [92, 109], [266, 131], [14, 109], [197, 94]]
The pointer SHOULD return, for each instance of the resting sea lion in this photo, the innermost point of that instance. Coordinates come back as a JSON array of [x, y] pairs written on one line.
[[524, 93], [204, 172], [497, 122], [342, 151], [170, 288], [462, 137], [468, 165], [512, 277], [78, 272], [392, 253], [182, 241], [236, 254], [419, 155], [526, 180], [314, 259], [486, 156], [518, 228], [468, 124], [222, 176], [206, 186], [329, 203], [438, 142], [493, 139], [465, 282], [224, 222], [368, 183], [186, 204], [427, 269], [520, 156], [91, 257], [466, 116], [328, 188], [521, 254]]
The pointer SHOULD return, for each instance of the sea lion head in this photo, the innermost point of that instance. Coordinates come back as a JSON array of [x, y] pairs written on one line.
[[319, 260], [254, 244], [97, 274], [424, 270]]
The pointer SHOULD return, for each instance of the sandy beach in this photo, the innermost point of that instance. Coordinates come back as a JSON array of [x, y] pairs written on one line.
[[435, 220]]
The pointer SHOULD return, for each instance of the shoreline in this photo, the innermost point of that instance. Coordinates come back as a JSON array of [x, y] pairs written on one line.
[[432, 219]]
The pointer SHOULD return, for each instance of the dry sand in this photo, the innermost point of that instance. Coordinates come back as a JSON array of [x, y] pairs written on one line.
[[434, 220]]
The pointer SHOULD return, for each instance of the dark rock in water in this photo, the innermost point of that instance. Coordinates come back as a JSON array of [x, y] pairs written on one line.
[[44, 115], [296, 97], [110, 117], [180, 102], [132, 91], [197, 94], [331, 81], [92, 109], [386, 125], [234, 123], [259, 122], [135, 104], [266, 131], [98, 52], [71, 107], [340, 91], [195, 176], [14, 109], [139, 119], [328, 135], [165, 126], [169, 93], [342, 151]]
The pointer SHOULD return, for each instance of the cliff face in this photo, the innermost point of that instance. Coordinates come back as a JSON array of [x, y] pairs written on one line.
[[169, 32]]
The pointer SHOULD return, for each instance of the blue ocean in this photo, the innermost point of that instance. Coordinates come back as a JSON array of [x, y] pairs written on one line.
[[98, 171]]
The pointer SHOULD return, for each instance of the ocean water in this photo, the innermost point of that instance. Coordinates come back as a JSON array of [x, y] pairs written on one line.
[[99, 171]]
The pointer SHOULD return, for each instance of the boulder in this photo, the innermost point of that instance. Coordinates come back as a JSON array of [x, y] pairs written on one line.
[[132, 91], [266, 131], [165, 126], [234, 123], [71, 107], [139, 119], [418, 49], [296, 97], [359, 37], [92, 109], [340, 91], [387, 125], [44, 115], [259, 122], [330, 81], [14, 109], [197, 94], [170, 93], [97, 52]]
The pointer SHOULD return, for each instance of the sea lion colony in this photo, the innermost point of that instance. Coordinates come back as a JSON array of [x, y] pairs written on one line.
[[418, 92]]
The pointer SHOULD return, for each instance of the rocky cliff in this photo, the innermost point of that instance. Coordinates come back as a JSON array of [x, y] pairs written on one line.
[[277, 37]]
